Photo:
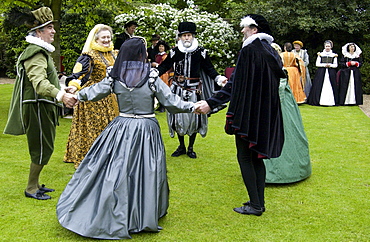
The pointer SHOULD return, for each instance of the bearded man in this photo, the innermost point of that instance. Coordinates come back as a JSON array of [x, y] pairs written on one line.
[[193, 72]]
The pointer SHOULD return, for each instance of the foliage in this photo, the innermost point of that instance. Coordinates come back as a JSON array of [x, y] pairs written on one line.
[[213, 33], [331, 205]]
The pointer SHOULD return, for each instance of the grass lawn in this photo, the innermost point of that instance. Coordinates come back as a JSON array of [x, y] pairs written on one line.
[[331, 205]]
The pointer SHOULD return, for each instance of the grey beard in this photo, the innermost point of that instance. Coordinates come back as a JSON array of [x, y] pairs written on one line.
[[187, 44]]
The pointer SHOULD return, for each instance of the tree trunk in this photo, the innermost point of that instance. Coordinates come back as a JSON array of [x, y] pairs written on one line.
[[56, 7]]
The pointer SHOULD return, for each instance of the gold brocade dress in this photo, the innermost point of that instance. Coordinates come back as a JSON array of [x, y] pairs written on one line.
[[290, 63], [91, 118]]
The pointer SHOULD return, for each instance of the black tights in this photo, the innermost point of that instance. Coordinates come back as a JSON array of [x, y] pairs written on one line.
[[253, 172], [191, 140]]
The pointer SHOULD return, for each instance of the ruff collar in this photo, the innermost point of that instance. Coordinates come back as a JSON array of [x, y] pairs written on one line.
[[193, 47], [96, 46], [37, 41], [261, 36]]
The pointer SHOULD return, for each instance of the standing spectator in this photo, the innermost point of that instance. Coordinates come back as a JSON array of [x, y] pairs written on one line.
[[291, 64], [129, 31], [254, 114], [350, 85], [303, 55], [189, 60], [90, 118], [324, 91], [35, 105], [152, 50], [121, 186], [161, 49]]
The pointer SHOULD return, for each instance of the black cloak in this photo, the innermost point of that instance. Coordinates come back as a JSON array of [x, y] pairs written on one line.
[[254, 110]]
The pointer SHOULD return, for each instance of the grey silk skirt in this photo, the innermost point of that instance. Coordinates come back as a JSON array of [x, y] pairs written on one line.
[[121, 185]]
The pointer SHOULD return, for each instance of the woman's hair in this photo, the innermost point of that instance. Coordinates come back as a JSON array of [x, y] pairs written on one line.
[[328, 42], [102, 28], [288, 46], [350, 44]]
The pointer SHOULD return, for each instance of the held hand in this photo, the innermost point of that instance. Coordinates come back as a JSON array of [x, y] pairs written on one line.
[[203, 107], [70, 89], [69, 100]]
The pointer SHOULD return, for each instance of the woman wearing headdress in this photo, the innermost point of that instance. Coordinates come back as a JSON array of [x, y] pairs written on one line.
[[291, 64], [121, 186], [304, 60], [90, 118], [324, 91], [350, 85]]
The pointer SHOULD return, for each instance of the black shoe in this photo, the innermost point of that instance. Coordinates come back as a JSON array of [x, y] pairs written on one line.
[[45, 189], [39, 195], [191, 153], [247, 209], [179, 151], [249, 203]]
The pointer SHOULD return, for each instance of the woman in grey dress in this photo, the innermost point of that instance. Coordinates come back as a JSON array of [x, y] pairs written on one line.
[[121, 185]]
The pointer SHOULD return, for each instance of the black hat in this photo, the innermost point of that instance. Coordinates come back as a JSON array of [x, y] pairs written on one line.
[[155, 37], [130, 23], [257, 20], [162, 42], [187, 27]]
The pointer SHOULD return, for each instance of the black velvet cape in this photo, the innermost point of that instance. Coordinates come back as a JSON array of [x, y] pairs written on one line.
[[254, 109]]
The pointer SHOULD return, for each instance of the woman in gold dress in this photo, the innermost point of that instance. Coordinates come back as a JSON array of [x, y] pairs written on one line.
[[90, 118], [291, 64]]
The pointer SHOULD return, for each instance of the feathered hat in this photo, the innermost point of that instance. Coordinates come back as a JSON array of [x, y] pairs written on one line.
[[258, 21]]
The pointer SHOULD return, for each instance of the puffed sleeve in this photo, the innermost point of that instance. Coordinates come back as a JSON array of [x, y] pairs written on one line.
[[171, 101], [81, 70]]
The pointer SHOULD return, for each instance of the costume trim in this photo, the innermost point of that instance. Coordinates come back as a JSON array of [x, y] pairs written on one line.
[[261, 36], [37, 41]]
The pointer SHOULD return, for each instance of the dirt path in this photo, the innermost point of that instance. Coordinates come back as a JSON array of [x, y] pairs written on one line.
[[365, 107]]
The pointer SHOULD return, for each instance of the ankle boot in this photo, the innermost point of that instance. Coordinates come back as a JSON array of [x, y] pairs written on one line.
[[191, 153]]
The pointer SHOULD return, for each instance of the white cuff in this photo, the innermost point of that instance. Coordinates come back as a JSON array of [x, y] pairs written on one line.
[[60, 95], [220, 79]]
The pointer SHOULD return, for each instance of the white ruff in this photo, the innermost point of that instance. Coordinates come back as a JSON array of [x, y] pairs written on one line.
[[261, 36], [37, 41], [193, 46]]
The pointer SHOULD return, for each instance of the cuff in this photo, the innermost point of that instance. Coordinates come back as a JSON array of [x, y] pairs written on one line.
[[60, 95], [75, 83], [220, 79]]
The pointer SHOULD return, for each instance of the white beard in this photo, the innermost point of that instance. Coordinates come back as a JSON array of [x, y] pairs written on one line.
[[187, 44]]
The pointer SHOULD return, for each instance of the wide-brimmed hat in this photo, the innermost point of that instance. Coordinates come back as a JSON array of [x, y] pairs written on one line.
[[187, 27], [43, 16]]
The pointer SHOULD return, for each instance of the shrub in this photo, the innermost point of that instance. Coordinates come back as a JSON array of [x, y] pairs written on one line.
[[213, 33]]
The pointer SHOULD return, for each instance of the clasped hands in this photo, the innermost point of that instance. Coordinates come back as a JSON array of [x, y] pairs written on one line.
[[201, 107], [69, 98]]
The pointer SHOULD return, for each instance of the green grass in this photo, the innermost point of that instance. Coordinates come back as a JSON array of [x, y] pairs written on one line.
[[331, 205]]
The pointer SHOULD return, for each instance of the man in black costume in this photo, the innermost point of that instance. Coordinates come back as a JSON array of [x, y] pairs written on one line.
[[130, 28], [254, 114], [152, 51], [193, 72]]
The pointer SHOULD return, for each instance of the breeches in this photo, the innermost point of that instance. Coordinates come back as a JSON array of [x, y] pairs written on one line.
[[40, 120]]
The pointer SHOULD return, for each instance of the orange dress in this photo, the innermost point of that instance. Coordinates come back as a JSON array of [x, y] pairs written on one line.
[[291, 64]]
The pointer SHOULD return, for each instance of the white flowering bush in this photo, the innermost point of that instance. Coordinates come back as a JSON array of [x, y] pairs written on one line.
[[213, 33]]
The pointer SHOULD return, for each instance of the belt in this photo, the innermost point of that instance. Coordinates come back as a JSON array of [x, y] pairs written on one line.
[[131, 115], [183, 78]]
